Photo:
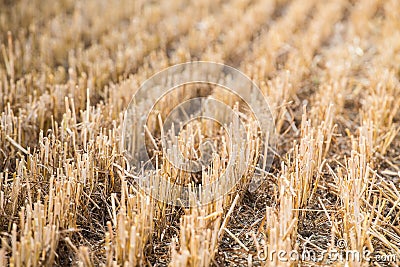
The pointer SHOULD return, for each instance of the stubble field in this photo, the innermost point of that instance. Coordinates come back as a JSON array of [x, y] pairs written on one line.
[[329, 69]]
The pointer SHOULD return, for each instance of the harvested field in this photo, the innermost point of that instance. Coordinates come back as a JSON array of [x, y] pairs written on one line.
[[330, 71]]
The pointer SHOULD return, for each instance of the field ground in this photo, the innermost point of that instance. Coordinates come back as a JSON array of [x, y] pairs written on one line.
[[330, 70]]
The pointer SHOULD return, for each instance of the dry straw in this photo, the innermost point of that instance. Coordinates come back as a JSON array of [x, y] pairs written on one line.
[[68, 70]]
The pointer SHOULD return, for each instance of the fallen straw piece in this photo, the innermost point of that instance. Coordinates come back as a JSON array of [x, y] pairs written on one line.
[[14, 143]]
